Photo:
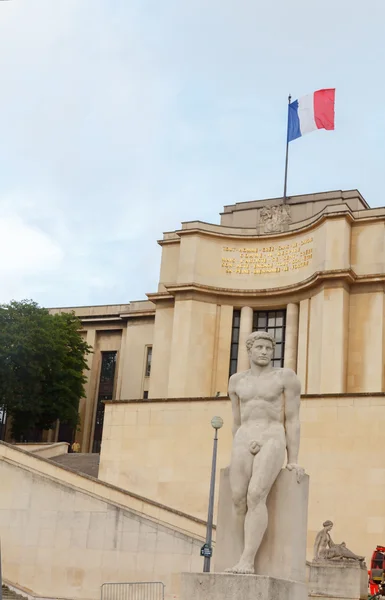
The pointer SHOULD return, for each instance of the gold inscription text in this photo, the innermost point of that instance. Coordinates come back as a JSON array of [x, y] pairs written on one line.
[[268, 259]]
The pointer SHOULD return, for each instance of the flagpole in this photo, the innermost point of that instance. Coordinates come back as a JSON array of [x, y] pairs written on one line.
[[287, 151]]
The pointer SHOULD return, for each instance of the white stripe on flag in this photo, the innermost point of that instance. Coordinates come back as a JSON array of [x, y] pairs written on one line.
[[306, 114]]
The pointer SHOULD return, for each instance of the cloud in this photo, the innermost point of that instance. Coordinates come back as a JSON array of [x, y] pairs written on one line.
[[25, 249], [121, 118], [25, 252]]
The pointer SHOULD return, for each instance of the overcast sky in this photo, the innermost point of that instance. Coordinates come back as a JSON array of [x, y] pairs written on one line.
[[121, 118]]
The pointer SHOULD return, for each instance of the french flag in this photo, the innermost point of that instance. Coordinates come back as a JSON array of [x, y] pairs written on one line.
[[315, 111]]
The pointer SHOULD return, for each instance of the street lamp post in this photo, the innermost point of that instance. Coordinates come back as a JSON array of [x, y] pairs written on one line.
[[206, 551]]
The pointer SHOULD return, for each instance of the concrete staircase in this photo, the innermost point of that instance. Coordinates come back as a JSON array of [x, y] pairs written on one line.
[[10, 595], [82, 463]]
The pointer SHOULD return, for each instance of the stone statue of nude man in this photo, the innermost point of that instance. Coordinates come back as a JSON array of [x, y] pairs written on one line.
[[265, 402]]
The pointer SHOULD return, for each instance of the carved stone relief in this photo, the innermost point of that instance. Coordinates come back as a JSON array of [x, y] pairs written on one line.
[[275, 218]]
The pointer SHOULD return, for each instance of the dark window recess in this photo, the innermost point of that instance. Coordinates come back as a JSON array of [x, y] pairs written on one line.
[[66, 434], [274, 322], [234, 341], [145, 395], [148, 361], [32, 435], [106, 389], [3, 422]]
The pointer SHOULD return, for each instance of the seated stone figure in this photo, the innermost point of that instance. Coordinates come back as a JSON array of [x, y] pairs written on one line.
[[326, 549]]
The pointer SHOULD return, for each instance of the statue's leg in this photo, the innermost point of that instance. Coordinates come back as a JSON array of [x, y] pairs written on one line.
[[267, 464], [346, 553], [241, 469]]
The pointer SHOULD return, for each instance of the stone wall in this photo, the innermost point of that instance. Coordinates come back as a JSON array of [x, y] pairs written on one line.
[[326, 267], [64, 535], [163, 450], [45, 450]]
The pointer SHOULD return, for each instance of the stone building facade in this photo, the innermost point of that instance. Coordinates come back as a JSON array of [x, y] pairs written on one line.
[[311, 271], [315, 279]]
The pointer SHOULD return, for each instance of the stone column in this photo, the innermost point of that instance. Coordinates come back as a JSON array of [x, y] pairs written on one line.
[[120, 365], [291, 340], [245, 328], [220, 378], [303, 335], [190, 371], [87, 403], [161, 351], [334, 335]]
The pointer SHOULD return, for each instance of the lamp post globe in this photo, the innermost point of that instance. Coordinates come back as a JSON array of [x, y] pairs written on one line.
[[216, 422]]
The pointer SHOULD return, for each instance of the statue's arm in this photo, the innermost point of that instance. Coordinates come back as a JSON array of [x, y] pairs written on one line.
[[234, 405], [292, 393], [317, 544]]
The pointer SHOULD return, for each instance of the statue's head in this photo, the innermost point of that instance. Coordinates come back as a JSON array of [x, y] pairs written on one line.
[[327, 525], [260, 347]]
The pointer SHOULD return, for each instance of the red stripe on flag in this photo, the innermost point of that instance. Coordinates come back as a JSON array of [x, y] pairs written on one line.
[[324, 108]]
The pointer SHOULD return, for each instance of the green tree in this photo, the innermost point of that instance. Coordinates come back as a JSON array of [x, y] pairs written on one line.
[[42, 366]]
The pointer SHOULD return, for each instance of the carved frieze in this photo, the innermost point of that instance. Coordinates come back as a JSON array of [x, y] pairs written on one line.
[[275, 218]]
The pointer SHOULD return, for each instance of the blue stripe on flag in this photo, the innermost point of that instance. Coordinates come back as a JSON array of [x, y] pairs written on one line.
[[293, 128]]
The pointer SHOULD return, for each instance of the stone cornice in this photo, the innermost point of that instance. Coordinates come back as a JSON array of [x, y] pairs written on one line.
[[169, 241], [346, 278], [226, 398], [100, 319], [152, 400], [342, 275], [160, 297], [139, 314], [118, 319], [245, 234], [202, 228], [296, 200]]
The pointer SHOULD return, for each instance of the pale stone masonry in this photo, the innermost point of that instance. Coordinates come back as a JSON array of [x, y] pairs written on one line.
[[63, 535], [220, 586], [155, 448], [316, 280], [325, 268]]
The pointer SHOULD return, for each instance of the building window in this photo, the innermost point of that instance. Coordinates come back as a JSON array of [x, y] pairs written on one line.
[[145, 395], [66, 433], [274, 322], [148, 361], [234, 341], [3, 421], [106, 390]]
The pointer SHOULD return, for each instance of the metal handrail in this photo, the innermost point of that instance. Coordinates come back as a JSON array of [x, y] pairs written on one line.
[[154, 591]]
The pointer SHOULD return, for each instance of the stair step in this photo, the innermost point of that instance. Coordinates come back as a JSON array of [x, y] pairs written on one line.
[[81, 462], [10, 595]]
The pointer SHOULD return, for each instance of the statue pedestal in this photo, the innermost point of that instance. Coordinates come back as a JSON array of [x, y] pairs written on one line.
[[282, 554], [338, 579], [223, 586]]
